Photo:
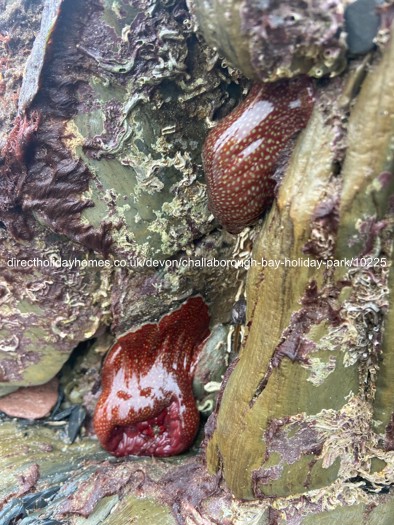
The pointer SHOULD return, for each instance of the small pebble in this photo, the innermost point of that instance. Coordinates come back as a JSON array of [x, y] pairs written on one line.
[[33, 402], [238, 313]]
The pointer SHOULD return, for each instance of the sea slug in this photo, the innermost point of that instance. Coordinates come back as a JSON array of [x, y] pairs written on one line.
[[147, 405], [241, 153]]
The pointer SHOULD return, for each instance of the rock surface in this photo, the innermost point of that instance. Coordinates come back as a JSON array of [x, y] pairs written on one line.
[[32, 402]]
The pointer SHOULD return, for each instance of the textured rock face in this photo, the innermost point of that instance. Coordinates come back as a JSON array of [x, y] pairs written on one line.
[[113, 133], [313, 378], [15, 47], [272, 39], [103, 162], [45, 311]]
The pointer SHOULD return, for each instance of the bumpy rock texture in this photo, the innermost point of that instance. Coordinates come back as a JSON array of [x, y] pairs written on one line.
[[307, 407], [312, 381], [103, 161], [273, 39], [45, 310]]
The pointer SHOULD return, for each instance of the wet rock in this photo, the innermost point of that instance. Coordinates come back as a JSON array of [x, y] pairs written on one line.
[[362, 23], [76, 417], [15, 47], [32, 402], [293, 369], [212, 362], [268, 40], [46, 308], [35, 62], [238, 313], [126, 178], [112, 165]]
